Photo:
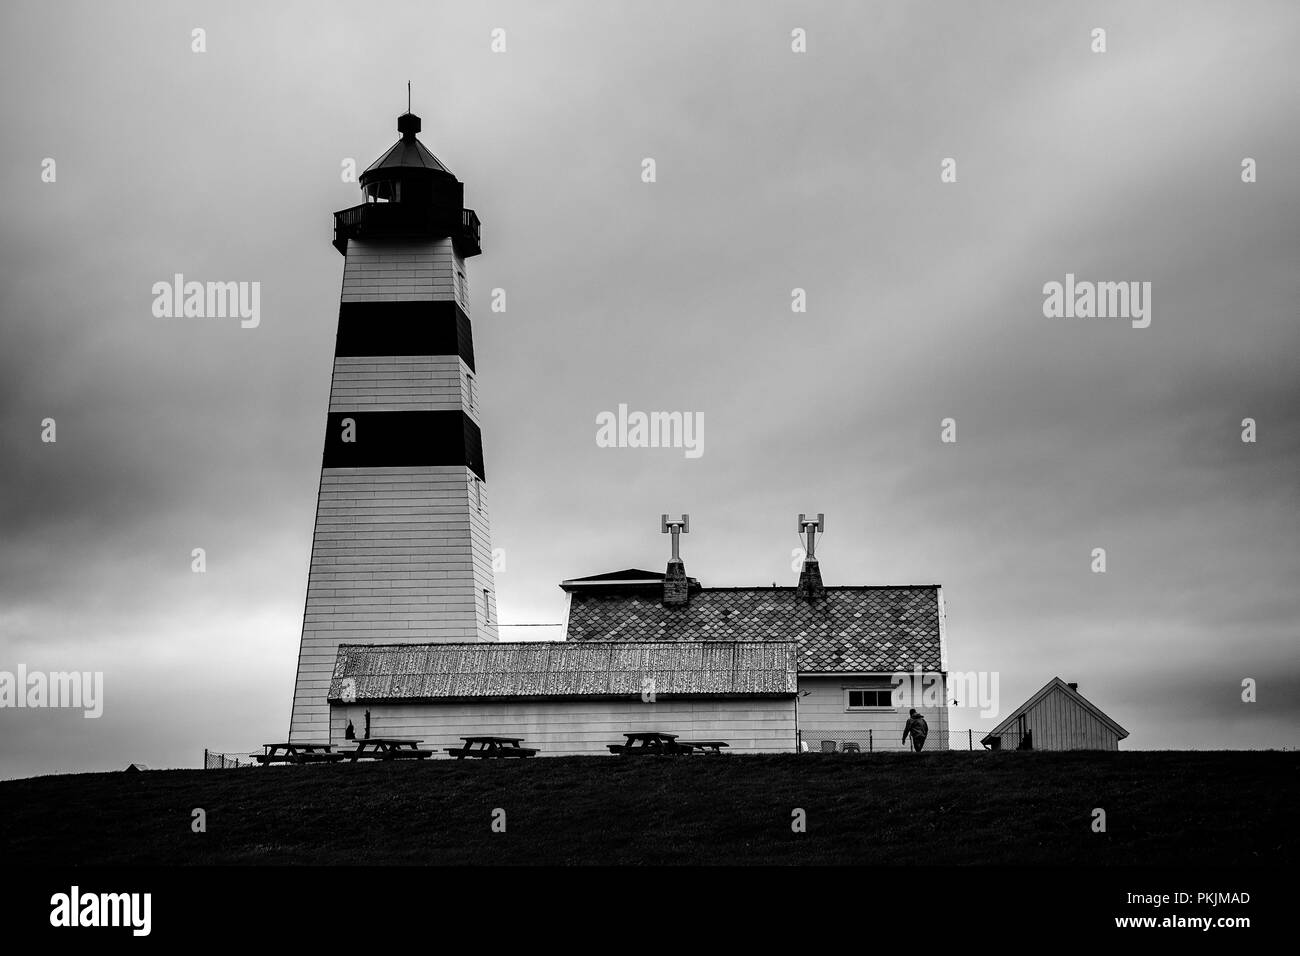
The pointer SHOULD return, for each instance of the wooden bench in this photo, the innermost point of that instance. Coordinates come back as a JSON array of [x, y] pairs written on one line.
[[267, 759], [491, 747], [290, 752], [648, 743], [460, 753], [703, 746], [387, 748]]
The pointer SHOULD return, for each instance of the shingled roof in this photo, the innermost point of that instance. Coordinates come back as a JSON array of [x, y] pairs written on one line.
[[408, 153], [543, 670], [853, 630]]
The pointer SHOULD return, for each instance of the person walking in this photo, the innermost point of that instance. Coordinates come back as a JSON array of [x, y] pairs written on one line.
[[917, 729]]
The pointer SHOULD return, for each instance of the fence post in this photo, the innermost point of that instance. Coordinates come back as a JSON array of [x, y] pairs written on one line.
[[205, 758], [871, 746], [970, 739]]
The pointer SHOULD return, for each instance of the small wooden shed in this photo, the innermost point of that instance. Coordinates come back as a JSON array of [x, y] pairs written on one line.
[[1058, 717]]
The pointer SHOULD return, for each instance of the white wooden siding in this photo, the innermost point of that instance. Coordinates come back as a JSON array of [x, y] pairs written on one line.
[[824, 709], [1059, 722], [399, 383], [750, 725], [481, 555], [400, 555], [400, 271]]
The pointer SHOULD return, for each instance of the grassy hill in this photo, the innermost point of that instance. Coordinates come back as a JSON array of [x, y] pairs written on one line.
[[1162, 808]]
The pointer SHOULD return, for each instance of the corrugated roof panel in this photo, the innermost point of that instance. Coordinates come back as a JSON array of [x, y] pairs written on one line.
[[551, 669]]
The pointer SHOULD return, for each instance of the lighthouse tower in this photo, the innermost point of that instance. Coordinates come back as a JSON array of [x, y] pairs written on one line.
[[401, 552]]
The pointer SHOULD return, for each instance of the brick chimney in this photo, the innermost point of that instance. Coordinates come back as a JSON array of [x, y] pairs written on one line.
[[810, 578], [677, 586], [810, 581], [1073, 687]]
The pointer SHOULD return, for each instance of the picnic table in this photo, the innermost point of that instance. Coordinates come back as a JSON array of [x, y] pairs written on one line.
[[646, 743], [296, 752], [387, 748], [491, 747], [703, 746]]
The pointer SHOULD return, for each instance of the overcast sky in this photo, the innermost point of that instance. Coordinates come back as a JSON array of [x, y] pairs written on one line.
[[776, 170]]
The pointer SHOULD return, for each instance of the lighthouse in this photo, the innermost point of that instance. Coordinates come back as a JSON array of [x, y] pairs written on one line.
[[401, 552]]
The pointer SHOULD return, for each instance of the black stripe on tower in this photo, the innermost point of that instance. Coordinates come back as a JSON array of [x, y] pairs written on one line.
[[403, 440], [404, 328]]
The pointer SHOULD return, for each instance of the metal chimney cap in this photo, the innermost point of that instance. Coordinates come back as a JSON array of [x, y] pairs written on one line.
[[804, 521], [683, 523], [408, 123]]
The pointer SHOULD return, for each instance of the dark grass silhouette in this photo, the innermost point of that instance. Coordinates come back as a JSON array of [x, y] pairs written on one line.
[[1163, 808]]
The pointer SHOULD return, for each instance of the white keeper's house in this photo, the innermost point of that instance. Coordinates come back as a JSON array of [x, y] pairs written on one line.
[[400, 617], [854, 644], [768, 669]]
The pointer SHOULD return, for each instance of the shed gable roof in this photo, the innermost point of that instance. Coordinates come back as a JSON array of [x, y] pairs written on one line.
[[617, 577], [1057, 684]]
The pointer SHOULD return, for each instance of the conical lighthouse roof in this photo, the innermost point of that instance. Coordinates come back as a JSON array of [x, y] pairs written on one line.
[[408, 152]]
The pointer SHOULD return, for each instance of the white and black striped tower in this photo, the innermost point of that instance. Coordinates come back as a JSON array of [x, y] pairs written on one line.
[[402, 551]]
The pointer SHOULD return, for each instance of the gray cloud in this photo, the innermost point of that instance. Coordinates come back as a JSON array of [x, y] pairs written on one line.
[[775, 171]]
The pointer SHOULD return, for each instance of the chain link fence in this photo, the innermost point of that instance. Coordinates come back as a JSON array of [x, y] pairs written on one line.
[[810, 741], [868, 741], [212, 760]]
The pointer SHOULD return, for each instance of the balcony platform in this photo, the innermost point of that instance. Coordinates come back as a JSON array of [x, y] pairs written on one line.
[[397, 220]]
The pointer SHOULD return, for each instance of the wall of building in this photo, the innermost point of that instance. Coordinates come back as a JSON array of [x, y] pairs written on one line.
[[400, 554], [823, 714], [398, 383], [1059, 722], [400, 270], [560, 727]]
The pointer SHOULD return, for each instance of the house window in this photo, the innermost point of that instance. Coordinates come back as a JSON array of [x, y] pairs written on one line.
[[478, 495], [869, 699], [472, 395], [487, 606]]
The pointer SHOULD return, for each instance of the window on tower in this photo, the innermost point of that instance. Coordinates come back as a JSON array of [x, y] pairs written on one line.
[[383, 191], [470, 397], [462, 289]]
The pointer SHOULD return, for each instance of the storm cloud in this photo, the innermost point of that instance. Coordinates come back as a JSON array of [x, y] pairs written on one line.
[[775, 171]]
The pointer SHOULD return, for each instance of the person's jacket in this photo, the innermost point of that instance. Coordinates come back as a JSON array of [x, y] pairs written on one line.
[[916, 726]]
